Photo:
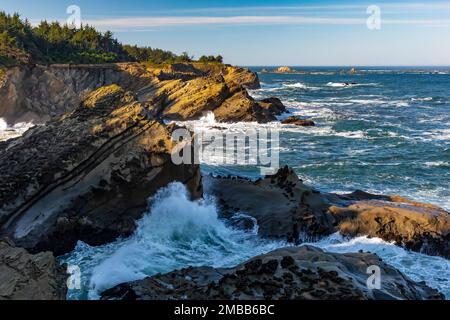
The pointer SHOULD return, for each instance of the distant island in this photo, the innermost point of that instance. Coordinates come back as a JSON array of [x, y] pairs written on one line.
[[289, 70]]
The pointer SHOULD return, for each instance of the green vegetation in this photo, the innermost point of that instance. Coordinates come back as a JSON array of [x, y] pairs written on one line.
[[218, 59], [54, 43], [22, 43], [155, 56]]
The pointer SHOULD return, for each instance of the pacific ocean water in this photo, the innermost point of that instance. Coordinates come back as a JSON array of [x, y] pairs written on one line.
[[382, 130]]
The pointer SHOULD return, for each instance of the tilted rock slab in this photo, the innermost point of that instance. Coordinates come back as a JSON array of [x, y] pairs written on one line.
[[86, 175], [305, 273]]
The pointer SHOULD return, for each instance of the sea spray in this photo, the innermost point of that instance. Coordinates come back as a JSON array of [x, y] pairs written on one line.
[[3, 124], [178, 232], [175, 233], [434, 270], [16, 130]]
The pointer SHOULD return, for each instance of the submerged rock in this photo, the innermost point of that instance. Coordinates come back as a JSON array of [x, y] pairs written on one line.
[[24, 276], [294, 120], [88, 174], [305, 273], [284, 207]]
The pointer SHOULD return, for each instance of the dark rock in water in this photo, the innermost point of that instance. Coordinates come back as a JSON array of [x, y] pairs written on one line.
[[24, 276], [284, 207], [86, 175], [305, 273], [294, 120], [242, 107], [273, 105]]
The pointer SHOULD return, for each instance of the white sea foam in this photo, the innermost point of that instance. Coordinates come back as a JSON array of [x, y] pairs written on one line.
[[437, 164], [422, 99], [175, 233], [295, 85], [435, 271], [3, 124], [8, 132]]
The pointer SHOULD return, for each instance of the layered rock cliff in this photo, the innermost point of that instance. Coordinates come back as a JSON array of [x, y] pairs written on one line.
[[176, 92], [87, 174]]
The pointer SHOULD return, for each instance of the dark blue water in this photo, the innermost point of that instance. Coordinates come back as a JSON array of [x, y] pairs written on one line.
[[388, 132]]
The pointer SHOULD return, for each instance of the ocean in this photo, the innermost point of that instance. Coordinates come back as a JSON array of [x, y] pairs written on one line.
[[382, 130]]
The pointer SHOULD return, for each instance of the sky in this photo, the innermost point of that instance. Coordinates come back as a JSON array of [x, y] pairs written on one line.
[[269, 32]]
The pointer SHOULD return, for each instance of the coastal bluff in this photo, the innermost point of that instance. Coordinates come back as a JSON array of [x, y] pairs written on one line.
[[182, 91]]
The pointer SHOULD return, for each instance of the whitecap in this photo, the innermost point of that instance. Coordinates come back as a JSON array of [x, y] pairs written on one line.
[[176, 232], [434, 270]]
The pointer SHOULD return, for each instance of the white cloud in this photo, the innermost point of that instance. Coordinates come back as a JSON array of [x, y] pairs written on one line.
[[149, 22]]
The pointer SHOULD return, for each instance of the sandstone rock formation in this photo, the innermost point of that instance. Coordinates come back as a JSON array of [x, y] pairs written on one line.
[[234, 76], [294, 120], [305, 273], [177, 92], [285, 207], [284, 70], [36, 93], [87, 174], [24, 276]]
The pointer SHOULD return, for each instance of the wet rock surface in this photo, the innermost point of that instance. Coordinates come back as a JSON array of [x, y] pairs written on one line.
[[304, 273]]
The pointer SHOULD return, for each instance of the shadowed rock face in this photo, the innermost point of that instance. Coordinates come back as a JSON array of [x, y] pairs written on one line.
[[24, 276], [40, 92], [285, 207], [175, 92], [86, 175], [305, 273]]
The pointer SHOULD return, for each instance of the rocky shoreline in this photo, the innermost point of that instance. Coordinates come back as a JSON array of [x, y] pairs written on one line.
[[105, 148], [300, 273]]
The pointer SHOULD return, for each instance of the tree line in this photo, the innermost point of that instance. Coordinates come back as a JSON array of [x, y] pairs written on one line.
[[52, 42]]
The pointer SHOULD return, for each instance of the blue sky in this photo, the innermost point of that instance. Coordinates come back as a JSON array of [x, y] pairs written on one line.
[[297, 33]]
